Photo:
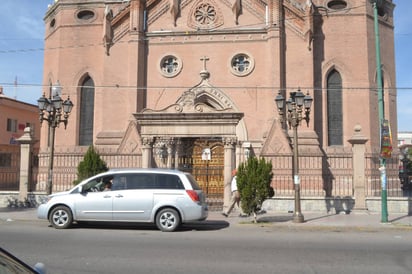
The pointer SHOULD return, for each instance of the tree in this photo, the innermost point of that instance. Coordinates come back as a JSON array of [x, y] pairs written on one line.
[[91, 165], [253, 179]]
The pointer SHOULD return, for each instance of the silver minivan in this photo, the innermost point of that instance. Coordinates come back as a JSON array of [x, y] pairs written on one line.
[[164, 197]]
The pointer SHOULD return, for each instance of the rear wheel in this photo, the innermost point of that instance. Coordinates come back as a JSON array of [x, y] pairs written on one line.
[[61, 217], [167, 220]]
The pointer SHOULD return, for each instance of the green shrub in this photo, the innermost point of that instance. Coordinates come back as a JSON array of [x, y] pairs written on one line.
[[253, 179], [91, 165]]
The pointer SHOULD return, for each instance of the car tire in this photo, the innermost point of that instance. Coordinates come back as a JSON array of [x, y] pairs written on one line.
[[61, 217], [167, 220]]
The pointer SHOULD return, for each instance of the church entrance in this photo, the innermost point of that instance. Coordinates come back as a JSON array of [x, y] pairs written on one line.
[[184, 136], [204, 159]]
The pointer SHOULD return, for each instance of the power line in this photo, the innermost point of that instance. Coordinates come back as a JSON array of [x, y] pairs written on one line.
[[271, 88]]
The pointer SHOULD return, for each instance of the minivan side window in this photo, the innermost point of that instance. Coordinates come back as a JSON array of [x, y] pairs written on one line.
[[119, 182], [193, 182], [140, 181], [94, 185], [146, 181], [169, 181]]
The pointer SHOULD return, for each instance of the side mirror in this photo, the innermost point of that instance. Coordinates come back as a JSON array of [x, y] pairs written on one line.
[[41, 268], [81, 189]]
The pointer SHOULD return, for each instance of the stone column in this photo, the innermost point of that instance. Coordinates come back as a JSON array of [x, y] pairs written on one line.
[[358, 149], [26, 141], [229, 165], [147, 147], [169, 145]]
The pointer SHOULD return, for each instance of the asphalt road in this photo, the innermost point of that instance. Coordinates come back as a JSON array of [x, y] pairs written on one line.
[[213, 247]]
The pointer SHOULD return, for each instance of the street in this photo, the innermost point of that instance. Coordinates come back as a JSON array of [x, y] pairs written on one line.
[[212, 247]]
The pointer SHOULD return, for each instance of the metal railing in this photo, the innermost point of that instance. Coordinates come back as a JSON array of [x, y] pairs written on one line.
[[316, 181]]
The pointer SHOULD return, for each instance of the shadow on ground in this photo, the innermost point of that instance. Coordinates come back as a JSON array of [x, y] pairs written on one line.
[[192, 226], [400, 218], [274, 219]]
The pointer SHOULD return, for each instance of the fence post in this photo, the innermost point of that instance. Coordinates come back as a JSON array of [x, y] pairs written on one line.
[[26, 141], [358, 155]]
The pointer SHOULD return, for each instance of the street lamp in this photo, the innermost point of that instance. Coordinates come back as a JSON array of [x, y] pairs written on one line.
[[295, 106], [51, 110]]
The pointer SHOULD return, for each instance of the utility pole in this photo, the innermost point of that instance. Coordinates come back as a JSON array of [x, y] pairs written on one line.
[[382, 168]]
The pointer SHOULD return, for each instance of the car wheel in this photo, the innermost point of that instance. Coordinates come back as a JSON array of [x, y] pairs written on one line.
[[167, 220], [61, 217]]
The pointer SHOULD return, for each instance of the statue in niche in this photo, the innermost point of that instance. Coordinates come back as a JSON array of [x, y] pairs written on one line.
[[237, 10], [174, 10], [107, 30]]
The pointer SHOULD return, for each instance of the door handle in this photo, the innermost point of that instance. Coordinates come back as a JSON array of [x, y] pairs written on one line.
[[107, 196], [119, 196]]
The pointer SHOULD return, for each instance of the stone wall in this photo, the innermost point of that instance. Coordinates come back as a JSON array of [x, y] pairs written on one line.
[[337, 205]]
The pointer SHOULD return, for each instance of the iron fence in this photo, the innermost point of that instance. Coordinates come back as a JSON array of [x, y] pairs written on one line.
[[9, 167], [316, 180]]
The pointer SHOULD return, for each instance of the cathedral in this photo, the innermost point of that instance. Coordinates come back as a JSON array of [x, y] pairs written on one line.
[[191, 85]]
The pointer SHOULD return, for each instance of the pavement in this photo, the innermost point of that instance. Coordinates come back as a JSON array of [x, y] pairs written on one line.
[[354, 220]]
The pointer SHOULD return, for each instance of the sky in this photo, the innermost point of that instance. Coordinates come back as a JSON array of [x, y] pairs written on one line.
[[22, 48]]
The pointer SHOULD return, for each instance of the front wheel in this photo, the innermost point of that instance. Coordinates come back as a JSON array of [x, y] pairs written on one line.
[[167, 220], [61, 217]]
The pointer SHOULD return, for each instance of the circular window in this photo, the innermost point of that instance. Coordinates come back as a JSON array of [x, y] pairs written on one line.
[[242, 64], [85, 15], [170, 66], [337, 4], [205, 14]]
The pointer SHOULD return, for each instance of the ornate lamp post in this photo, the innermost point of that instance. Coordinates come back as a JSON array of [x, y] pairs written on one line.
[[295, 105], [51, 110]]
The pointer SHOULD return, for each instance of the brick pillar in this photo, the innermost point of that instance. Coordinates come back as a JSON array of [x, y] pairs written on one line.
[[26, 141], [358, 150]]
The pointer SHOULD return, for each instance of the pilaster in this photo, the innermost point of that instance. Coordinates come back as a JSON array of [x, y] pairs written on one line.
[[358, 149]]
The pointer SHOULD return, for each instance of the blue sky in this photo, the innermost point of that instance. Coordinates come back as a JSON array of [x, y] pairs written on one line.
[[21, 52]]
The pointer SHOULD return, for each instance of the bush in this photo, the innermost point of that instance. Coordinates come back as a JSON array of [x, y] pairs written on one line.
[[91, 165], [253, 179]]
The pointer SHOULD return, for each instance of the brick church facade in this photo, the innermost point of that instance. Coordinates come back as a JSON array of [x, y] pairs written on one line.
[[190, 84]]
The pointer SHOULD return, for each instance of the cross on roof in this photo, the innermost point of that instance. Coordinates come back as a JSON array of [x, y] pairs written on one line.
[[204, 59]]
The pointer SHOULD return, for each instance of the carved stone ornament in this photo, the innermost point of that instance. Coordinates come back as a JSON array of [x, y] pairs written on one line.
[[205, 15]]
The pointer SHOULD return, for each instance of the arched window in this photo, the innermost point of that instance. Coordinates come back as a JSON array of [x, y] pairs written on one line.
[[86, 112], [335, 120]]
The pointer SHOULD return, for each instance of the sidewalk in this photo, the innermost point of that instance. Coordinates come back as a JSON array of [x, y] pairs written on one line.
[[312, 219], [360, 220]]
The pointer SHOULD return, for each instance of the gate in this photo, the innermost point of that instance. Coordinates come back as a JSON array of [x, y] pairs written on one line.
[[204, 159]]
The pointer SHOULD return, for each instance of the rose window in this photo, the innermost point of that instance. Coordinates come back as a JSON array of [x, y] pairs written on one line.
[[205, 14]]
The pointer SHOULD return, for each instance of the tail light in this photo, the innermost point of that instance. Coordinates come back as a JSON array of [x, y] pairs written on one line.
[[193, 195]]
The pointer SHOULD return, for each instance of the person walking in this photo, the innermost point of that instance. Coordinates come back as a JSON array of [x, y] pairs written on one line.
[[235, 197]]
